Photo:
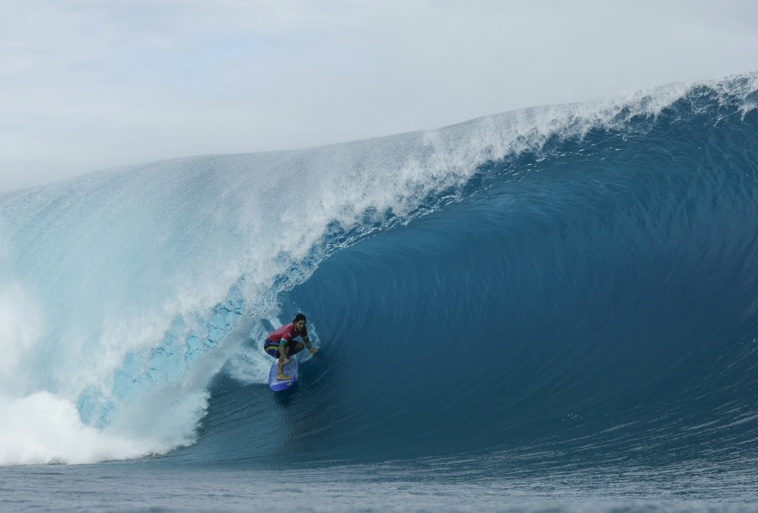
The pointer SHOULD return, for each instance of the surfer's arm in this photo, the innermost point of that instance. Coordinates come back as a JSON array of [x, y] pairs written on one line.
[[309, 345], [284, 349]]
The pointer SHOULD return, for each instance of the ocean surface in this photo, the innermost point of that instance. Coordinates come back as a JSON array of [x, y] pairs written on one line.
[[553, 309]]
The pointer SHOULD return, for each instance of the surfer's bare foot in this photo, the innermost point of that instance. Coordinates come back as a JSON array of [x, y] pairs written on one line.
[[282, 377]]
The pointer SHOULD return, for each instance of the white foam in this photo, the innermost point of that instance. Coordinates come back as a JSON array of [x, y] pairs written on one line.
[[41, 428], [20, 320]]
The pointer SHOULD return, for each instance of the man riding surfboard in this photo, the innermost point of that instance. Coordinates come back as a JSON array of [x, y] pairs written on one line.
[[280, 343]]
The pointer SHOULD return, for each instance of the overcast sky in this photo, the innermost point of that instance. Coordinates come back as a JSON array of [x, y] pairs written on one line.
[[91, 84]]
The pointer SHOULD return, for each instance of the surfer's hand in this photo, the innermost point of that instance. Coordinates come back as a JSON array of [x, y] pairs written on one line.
[[286, 360], [314, 351]]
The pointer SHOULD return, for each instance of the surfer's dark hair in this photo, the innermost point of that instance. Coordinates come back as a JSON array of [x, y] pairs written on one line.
[[299, 317]]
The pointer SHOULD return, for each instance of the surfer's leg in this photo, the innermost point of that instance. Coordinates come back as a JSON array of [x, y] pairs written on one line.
[[298, 347], [283, 355]]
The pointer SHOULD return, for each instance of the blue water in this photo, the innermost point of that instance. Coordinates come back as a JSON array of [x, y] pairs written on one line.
[[553, 309]]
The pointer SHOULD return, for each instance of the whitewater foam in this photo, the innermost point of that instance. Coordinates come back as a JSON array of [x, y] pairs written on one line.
[[42, 428], [19, 321]]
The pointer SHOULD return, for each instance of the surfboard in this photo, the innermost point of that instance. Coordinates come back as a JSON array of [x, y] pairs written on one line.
[[290, 369]]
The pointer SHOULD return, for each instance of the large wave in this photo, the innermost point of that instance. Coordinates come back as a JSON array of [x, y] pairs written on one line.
[[529, 268]]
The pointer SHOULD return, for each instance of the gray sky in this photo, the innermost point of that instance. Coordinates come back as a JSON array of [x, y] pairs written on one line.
[[91, 84]]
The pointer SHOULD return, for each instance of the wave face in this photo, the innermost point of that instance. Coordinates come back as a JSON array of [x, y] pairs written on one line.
[[558, 285]]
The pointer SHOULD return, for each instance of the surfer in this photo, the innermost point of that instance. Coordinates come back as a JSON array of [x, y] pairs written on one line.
[[280, 343]]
